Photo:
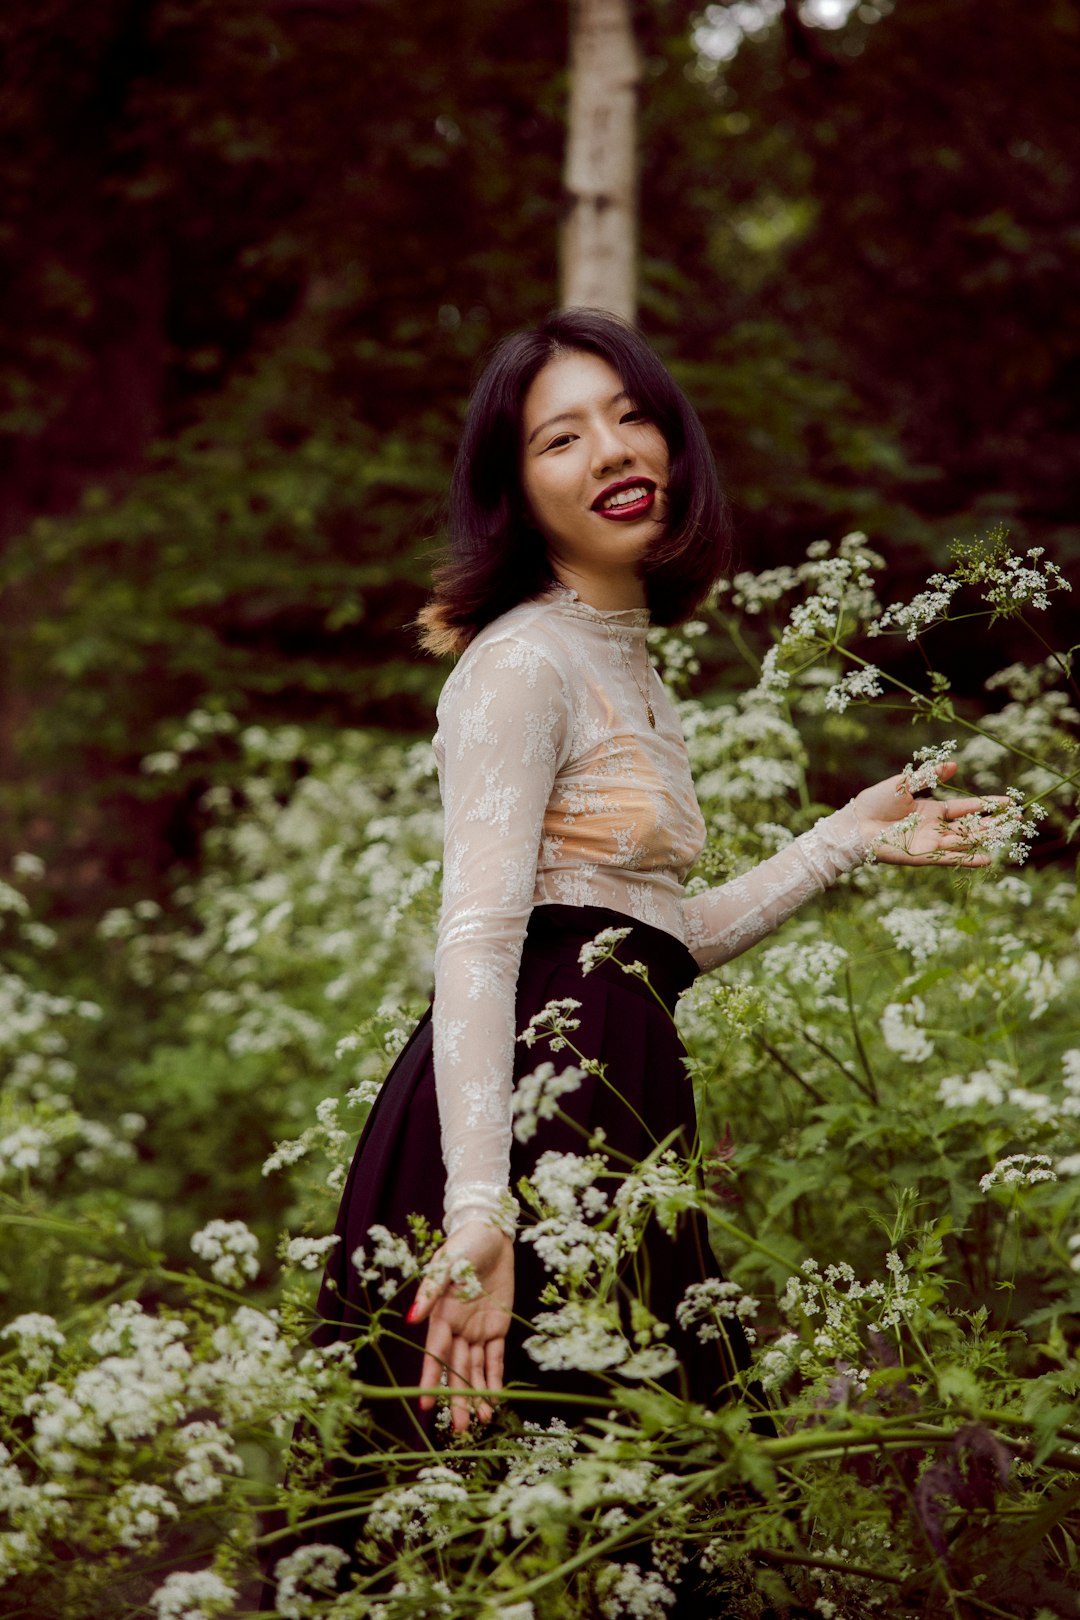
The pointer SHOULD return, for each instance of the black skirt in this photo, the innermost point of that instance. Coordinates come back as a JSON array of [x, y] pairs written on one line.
[[398, 1170]]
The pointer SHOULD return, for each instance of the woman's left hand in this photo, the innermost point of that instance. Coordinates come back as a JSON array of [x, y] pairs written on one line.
[[930, 839]]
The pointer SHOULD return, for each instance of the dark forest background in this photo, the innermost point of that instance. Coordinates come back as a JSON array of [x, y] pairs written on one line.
[[254, 252]]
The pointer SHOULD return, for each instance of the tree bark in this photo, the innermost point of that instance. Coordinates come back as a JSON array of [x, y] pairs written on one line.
[[599, 248]]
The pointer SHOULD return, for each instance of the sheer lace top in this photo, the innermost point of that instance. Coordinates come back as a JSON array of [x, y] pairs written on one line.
[[556, 788]]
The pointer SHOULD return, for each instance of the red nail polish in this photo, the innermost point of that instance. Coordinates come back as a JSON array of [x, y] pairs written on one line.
[[411, 1313]]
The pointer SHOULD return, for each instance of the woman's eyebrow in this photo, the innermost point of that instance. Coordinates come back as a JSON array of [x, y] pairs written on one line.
[[573, 416]]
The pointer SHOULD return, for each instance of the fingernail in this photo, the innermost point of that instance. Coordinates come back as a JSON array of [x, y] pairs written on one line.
[[412, 1312]]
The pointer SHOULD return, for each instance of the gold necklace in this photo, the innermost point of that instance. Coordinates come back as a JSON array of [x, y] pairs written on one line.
[[625, 652]]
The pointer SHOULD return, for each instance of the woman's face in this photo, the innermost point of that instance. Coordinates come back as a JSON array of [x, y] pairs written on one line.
[[594, 473]]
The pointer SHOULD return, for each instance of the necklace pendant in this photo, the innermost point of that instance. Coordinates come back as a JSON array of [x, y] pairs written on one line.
[[648, 711]]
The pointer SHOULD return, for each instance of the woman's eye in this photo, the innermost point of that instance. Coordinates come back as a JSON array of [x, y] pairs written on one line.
[[557, 443], [635, 416]]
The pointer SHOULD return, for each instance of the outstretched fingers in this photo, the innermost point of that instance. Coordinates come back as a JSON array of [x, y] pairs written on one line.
[[985, 804]]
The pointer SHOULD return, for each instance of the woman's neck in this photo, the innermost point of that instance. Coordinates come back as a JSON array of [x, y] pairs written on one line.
[[608, 593]]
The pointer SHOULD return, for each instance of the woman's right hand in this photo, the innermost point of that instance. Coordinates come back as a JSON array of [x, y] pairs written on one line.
[[466, 1337]]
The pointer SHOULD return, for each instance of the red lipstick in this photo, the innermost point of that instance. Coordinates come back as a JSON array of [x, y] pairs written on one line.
[[638, 496]]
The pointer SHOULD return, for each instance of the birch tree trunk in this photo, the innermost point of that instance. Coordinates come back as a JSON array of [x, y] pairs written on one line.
[[599, 245]]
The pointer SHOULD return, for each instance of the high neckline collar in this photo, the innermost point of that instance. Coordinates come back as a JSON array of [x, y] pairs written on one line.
[[618, 618]]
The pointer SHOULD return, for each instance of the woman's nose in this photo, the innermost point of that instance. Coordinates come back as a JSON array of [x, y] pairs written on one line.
[[610, 450]]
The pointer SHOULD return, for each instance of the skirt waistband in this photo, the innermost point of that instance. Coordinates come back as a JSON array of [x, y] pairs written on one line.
[[671, 967]]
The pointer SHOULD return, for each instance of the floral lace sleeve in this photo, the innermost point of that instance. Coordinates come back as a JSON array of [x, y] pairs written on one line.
[[725, 921], [504, 731]]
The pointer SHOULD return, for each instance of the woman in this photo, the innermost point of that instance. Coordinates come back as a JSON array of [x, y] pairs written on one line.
[[584, 503]]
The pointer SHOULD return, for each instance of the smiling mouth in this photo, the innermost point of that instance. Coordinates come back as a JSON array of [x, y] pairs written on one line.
[[630, 499]]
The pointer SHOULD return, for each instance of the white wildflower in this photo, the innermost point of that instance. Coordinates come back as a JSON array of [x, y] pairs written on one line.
[[27, 1147], [752, 592], [779, 1361], [136, 1512], [649, 1361], [252, 1375], [583, 1335], [289, 1152], [232, 1249], [570, 1247], [536, 1097], [1007, 830], [902, 1033], [1019, 1170], [634, 1593], [553, 1022], [1036, 1103], [207, 1456], [706, 1305], [162, 763], [531, 1505], [564, 1183], [37, 1336], [920, 930], [309, 1253], [773, 679], [315, 1566], [922, 611], [420, 1511], [602, 948], [980, 1087], [195, 1595], [815, 965], [658, 1187], [922, 773], [899, 1301], [860, 685]]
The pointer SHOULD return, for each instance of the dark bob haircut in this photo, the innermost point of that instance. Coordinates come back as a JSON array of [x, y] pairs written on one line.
[[496, 557]]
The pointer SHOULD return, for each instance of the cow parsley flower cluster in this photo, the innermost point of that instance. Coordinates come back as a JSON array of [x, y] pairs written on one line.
[[602, 948], [630, 1593], [207, 1456], [232, 1250], [922, 772], [192, 1595], [138, 1386], [38, 1338], [657, 1187], [536, 1097], [985, 1087], [706, 1305], [554, 1021], [307, 1252], [1013, 582], [901, 1029], [1007, 829], [814, 964], [922, 931], [860, 685], [929, 607], [837, 1296], [419, 1511], [137, 1512], [1019, 1170], [314, 1566], [389, 1254], [585, 1335]]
